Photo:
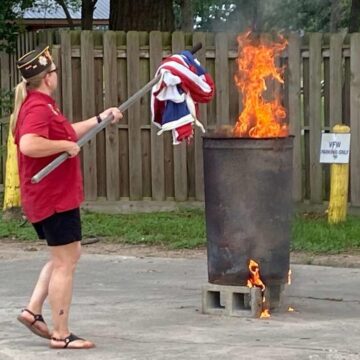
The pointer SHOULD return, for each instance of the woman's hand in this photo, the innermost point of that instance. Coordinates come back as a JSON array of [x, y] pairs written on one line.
[[115, 112], [72, 148]]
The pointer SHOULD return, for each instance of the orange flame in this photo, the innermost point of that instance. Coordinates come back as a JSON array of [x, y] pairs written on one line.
[[255, 280], [256, 64], [265, 314], [289, 277]]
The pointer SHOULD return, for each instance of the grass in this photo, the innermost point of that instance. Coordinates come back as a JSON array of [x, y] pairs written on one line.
[[186, 229], [313, 234], [175, 230]]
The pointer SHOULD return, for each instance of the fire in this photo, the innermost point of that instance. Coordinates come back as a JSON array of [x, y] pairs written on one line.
[[256, 63], [255, 280], [265, 314]]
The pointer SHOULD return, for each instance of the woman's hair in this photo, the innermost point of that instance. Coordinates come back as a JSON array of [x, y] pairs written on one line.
[[21, 93]]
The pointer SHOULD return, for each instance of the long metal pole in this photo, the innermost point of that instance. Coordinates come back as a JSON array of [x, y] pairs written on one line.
[[90, 134]]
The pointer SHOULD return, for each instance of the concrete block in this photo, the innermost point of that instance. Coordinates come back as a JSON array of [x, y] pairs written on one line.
[[231, 300]]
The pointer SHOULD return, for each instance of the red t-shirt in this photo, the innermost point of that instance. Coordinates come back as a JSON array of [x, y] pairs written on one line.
[[62, 189]]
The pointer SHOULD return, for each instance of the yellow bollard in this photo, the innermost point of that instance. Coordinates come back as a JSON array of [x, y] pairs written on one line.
[[339, 185]]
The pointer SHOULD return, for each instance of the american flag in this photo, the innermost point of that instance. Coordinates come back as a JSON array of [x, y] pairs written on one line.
[[174, 99]]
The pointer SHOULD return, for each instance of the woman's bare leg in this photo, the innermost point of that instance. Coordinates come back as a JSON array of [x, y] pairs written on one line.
[[38, 298], [40, 292], [64, 260]]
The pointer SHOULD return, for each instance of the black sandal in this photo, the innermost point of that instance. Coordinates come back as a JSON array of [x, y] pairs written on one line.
[[69, 339], [30, 325]]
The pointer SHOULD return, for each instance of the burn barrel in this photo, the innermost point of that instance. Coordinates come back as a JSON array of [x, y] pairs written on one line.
[[248, 207]]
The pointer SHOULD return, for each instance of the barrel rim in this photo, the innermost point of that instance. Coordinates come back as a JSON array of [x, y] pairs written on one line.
[[214, 136]]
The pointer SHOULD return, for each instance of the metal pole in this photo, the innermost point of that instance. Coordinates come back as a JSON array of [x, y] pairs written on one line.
[[90, 134]]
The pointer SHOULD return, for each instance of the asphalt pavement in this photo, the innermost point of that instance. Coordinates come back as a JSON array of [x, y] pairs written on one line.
[[150, 308]]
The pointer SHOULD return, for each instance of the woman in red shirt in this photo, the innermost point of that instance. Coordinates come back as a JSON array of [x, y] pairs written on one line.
[[41, 132]]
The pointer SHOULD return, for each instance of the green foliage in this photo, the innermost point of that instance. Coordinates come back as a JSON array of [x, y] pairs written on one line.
[[277, 15], [6, 101], [10, 17], [186, 229], [10, 11], [6, 106], [305, 15]]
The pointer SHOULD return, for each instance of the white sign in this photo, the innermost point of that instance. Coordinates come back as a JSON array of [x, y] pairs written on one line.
[[335, 148]]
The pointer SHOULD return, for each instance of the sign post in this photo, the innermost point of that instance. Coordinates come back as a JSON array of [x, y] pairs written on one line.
[[335, 149]]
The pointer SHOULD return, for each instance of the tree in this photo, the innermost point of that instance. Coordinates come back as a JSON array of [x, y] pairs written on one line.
[[228, 15], [87, 14], [64, 6], [354, 22], [186, 14], [10, 11], [142, 15], [335, 15]]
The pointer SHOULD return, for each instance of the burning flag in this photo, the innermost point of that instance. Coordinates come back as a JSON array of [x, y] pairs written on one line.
[[260, 118]]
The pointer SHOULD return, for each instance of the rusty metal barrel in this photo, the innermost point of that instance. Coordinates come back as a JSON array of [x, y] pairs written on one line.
[[248, 207]]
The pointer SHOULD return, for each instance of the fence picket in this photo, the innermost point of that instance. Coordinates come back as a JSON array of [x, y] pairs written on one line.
[[133, 78], [315, 117], [294, 112], [221, 79], [111, 131], [88, 110], [66, 74], [180, 170], [199, 164], [355, 119], [157, 142], [336, 70]]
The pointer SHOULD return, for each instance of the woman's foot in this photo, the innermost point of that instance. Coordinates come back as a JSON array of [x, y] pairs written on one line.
[[35, 323], [70, 342]]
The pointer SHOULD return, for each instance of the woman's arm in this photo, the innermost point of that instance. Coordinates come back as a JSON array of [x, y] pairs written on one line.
[[82, 127], [36, 146]]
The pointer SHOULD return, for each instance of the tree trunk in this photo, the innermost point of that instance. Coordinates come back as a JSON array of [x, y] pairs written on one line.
[[335, 15], [187, 15], [67, 13], [354, 16], [141, 15], [87, 13]]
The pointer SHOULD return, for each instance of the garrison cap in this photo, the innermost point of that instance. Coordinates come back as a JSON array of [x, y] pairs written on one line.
[[34, 62]]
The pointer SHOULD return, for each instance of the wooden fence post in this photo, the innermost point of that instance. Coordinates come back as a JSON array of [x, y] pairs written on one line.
[[88, 110]]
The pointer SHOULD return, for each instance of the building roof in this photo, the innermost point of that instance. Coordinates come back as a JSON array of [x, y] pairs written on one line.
[[51, 10]]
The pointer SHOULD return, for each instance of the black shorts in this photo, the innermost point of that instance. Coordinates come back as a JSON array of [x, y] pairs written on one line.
[[61, 228]]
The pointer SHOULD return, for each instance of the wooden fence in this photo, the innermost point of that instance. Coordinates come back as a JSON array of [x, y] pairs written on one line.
[[129, 161]]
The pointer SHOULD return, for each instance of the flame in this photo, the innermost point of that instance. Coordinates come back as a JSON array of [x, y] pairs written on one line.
[[289, 277], [265, 314], [256, 64], [255, 280], [290, 309]]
